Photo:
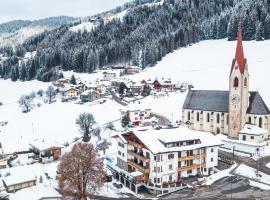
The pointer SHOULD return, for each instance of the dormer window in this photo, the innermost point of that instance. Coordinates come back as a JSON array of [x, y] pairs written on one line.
[[235, 82]]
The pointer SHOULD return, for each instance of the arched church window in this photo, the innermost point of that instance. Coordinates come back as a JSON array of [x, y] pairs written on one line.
[[245, 82], [260, 122], [218, 118], [235, 82], [188, 116], [208, 117], [198, 116]]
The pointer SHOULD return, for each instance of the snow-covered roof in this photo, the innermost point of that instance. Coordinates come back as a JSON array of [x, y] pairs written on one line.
[[154, 139], [44, 144], [136, 173], [136, 107], [36, 193], [17, 175], [253, 130]]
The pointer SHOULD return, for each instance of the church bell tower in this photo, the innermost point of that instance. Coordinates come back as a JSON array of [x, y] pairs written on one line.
[[238, 91]]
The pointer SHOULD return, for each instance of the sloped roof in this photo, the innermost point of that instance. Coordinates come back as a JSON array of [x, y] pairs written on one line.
[[256, 105], [218, 101], [207, 100]]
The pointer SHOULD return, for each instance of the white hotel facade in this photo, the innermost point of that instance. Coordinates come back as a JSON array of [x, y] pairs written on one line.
[[163, 157]]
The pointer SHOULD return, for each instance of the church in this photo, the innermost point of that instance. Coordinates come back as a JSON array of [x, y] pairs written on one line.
[[227, 112]]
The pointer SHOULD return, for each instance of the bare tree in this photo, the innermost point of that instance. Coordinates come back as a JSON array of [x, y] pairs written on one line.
[[50, 93], [85, 121], [102, 146], [26, 102], [81, 171]]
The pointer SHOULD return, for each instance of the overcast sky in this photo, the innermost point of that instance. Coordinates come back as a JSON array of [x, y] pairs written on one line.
[[36, 9]]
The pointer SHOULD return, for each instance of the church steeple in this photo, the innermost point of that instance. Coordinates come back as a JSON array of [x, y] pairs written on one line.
[[239, 84], [239, 58]]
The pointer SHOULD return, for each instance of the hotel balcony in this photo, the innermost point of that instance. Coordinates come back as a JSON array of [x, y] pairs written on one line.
[[137, 155], [135, 144], [139, 167], [193, 157], [190, 167]]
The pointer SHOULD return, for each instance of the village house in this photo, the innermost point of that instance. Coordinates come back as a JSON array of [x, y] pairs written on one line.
[[227, 112], [162, 158], [108, 75], [132, 69], [133, 88], [3, 162], [164, 85], [137, 113], [90, 95], [147, 83], [254, 134], [70, 93], [16, 178], [45, 151], [38, 192]]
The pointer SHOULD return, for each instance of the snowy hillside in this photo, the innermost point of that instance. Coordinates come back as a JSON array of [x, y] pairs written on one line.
[[207, 65], [18, 37]]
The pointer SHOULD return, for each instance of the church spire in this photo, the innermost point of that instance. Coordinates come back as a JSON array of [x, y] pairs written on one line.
[[239, 54]]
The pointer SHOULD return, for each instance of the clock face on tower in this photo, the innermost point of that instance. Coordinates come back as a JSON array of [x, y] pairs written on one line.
[[235, 99]]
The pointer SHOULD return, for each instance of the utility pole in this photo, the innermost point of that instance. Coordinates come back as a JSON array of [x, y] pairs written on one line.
[[258, 160], [232, 179]]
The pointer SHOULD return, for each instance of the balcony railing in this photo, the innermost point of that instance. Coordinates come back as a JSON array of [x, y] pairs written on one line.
[[135, 144], [136, 155], [190, 167], [139, 167], [193, 157]]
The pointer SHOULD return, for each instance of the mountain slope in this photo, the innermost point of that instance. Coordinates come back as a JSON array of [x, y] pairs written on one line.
[[17, 31], [146, 32]]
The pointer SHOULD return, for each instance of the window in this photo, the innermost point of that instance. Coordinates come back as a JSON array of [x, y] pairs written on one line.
[[208, 117], [158, 158], [123, 154], [252, 137], [235, 82], [170, 167], [245, 82], [227, 119], [212, 150], [189, 171], [249, 120], [198, 116], [218, 118], [260, 122], [244, 137], [188, 116], [119, 153], [170, 178], [212, 159], [204, 169], [170, 156]]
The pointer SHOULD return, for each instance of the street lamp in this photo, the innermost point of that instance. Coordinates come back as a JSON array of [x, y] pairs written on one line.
[[233, 163]]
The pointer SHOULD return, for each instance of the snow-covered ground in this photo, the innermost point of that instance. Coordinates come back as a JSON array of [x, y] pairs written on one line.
[[251, 173], [85, 26]]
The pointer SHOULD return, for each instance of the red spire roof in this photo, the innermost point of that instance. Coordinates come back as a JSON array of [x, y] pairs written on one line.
[[239, 54]]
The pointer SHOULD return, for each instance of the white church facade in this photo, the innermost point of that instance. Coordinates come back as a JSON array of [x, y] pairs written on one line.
[[227, 112]]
